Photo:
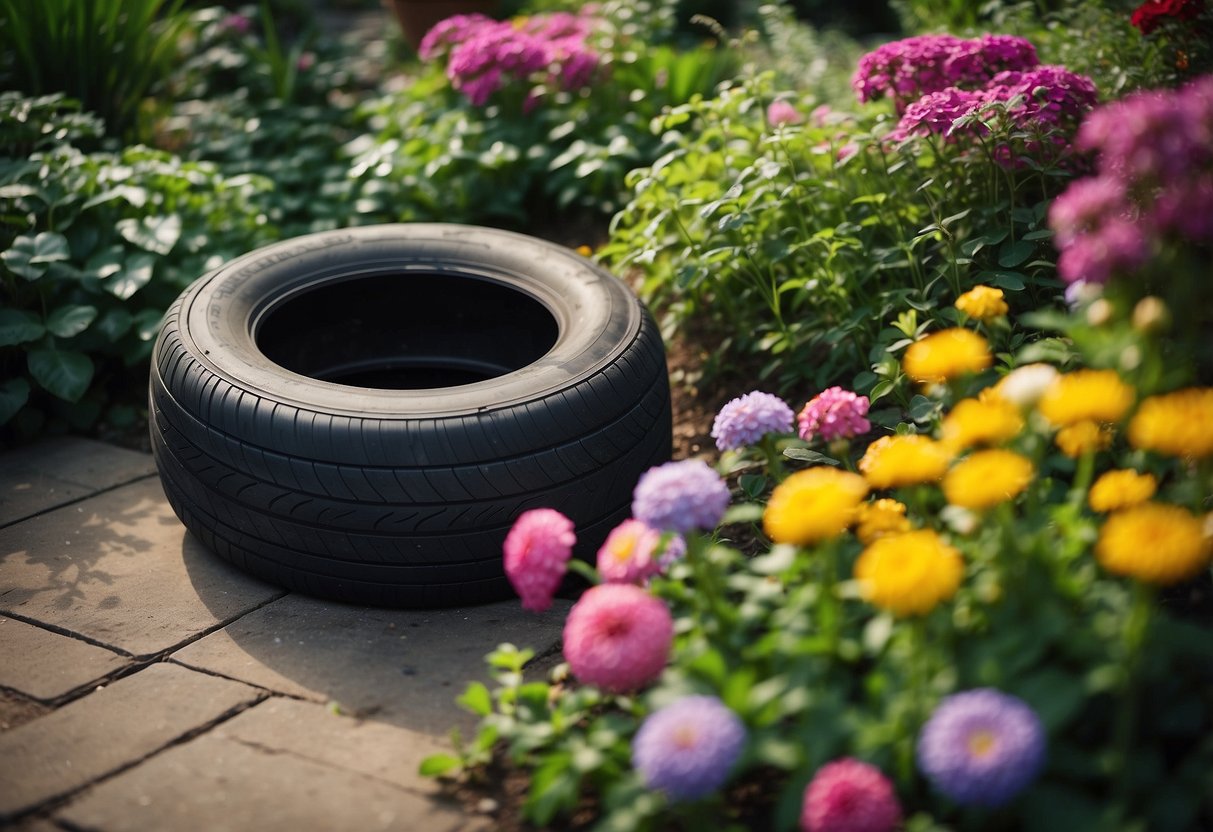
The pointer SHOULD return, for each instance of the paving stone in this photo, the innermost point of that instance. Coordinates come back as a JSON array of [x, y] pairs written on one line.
[[120, 569], [400, 666], [47, 665], [16, 709], [56, 471], [220, 784], [109, 729]]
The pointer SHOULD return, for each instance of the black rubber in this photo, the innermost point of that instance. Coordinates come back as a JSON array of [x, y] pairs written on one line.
[[361, 414]]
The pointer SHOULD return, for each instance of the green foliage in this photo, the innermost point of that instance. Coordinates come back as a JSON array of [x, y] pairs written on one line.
[[95, 247], [107, 54], [796, 243]]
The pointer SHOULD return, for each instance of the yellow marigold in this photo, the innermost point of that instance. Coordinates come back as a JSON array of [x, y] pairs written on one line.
[[986, 420], [1176, 424], [880, 518], [1115, 490], [946, 354], [904, 460], [1081, 437], [987, 478], [813, 505], [1154, 542], [910, 573], [982, 303], [1086, 396]]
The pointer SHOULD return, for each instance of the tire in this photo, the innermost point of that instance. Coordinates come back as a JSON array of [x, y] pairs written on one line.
[[362, 414]]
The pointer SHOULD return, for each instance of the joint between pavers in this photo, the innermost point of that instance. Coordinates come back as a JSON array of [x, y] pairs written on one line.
[[270, 692], [55, 628], [81, 499]]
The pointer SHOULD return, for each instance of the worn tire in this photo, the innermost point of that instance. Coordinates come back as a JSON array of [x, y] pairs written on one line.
[[501, 373]]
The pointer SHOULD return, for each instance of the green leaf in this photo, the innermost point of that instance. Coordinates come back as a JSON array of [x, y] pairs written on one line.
[[18, 326], [64, 373], [155, 234], [17, 259], [105, 263], [70, 320], [805, 455], [147, 323], [438, 765], [50, 247], [1012, 254], [742, 513], [14, 393], [554, 787], [923, 409], [133, 277], [477, 699]]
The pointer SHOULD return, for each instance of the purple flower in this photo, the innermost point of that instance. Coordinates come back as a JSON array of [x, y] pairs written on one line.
[[834, 413], [1053, 96], [1117, 247], [934, 114], [680, 496], [746, 419], [1085, 206], [687, 748], [236, 23], [981, 747]]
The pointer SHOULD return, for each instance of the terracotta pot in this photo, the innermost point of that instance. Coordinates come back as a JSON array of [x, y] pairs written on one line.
[[416, 17]]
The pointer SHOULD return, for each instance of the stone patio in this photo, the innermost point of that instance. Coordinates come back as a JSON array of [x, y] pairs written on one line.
[[145, 684]]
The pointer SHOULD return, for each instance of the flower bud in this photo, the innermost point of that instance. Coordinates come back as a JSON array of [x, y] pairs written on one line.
[[1151, 315]]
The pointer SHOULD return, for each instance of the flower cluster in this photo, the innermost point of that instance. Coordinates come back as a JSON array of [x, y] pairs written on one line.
[[849, 795], [1153, 184], [834, 414], [905, 70], [746, 419], [483, 55], [537, 551], [687, 748]]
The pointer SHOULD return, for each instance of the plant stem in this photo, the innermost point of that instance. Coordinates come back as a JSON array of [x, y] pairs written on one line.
[[1137, 626]]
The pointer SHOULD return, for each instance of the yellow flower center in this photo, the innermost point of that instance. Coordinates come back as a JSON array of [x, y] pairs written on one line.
[[982, 743]]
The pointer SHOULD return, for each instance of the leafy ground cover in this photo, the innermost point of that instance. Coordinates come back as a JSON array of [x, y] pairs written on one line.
[[935, 550]]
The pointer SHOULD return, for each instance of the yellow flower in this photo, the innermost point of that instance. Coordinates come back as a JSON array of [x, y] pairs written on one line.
[[1082, 437], [880, 518], [1154, 542], [946, 354], [1115, 490], [982, 303], [986, 420], [1086, 396], [909, 574], [987, 478], [1177, 424], [892, 461], [813, 505]]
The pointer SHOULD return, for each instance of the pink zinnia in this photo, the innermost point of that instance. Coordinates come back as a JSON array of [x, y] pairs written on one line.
[[849, 796], [834, 414], [781, 112], [618, 637], [537, 552], [626, 557]]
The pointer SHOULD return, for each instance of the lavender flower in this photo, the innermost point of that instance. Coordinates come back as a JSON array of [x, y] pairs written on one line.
[[680, 496], [687, 748], [746, 419], [981, 747]]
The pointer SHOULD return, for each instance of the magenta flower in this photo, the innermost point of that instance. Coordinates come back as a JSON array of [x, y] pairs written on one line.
[[687, 748], [934, 113], [629, 554], [981, 747], [680, 496], [618, 637], [537, 551], [833, 414], [237, 23], [782, 112], [848, 795], [746, 419]]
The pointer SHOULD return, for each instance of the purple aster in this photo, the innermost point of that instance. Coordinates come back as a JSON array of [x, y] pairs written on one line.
[[1117, 247], [834, 413], [1085, 205], [746, 419], [680, 496], [981, 747], [687, 748]]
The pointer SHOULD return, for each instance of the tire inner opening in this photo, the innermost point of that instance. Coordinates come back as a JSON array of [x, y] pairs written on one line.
[[407, 331]]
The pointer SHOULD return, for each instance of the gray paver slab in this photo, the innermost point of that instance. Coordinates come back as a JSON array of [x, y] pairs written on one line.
[[219, 784], [56, 471], [47, 665], [400, 666], [114, 727], [312, 731], [120, 569]]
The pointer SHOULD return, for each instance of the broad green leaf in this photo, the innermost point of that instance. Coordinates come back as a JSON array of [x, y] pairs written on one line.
[[477, 699], [147, 323], [50, 247], [805, 455], [134, 275], [18, 326], [1012, 254], [114, 324], [70, 320], [18, 256], [14, 393], [743, 513], [436, 765], [105, 263], [155, 234], [64, 373]]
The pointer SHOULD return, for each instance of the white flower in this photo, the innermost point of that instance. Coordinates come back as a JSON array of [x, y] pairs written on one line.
[[1025, 385]]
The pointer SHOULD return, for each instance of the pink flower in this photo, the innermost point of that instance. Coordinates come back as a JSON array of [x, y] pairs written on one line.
[[781, 112], [618, 637], [537, 552], [834, 413], [627, 556], [849, 796]]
